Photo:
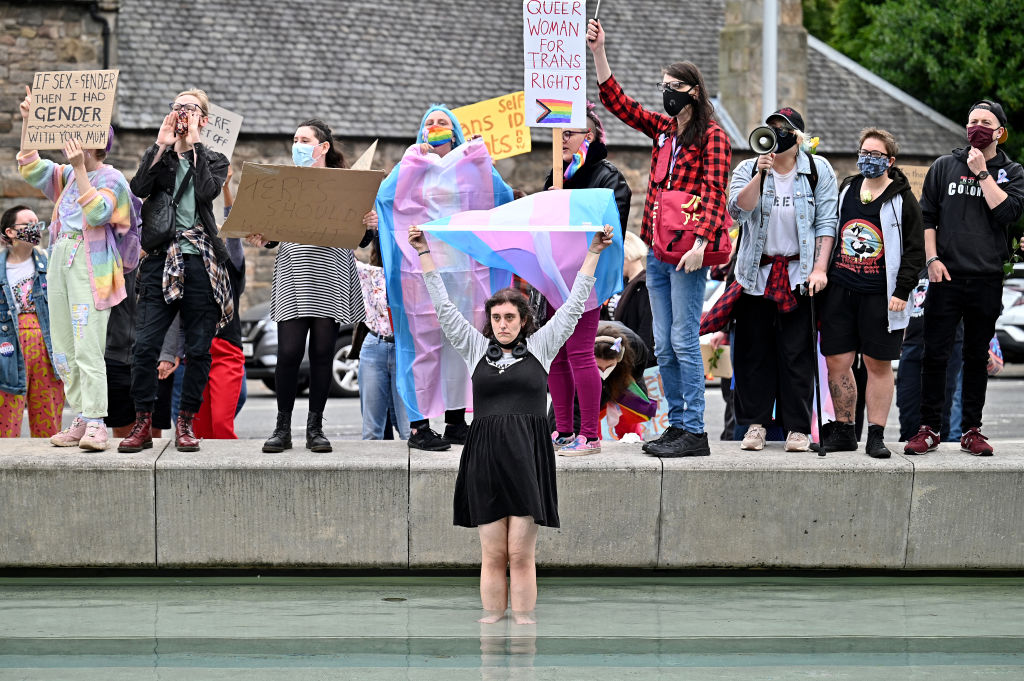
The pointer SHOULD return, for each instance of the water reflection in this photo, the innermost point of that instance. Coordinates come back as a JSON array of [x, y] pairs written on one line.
[[508, 656]]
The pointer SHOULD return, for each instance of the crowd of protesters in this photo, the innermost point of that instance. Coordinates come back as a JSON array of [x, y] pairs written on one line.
[[90, 321]]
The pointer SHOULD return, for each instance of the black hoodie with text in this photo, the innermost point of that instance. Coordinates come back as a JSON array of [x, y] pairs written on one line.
[[971, 237]]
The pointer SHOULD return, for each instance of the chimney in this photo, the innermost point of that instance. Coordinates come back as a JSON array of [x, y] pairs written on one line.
[[739, 60]]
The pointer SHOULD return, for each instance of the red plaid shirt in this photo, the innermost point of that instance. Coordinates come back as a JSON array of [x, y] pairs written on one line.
[[711, 185]]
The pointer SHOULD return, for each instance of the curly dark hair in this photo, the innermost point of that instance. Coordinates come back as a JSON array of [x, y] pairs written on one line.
[[515, 297], [334, 158], [697, 127], [618, 381]]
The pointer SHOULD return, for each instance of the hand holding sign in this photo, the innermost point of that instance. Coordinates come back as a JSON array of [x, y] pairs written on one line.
[[595, 35], [26, 103]]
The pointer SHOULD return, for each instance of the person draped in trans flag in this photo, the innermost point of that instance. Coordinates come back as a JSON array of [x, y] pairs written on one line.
[[438, 176]]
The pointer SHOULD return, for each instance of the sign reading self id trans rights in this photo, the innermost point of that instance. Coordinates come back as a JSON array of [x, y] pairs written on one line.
[[555, 63]]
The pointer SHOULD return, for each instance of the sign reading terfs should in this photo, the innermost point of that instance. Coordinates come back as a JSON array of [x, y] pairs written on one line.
[[500, 122], [70, 105], [555, 61]]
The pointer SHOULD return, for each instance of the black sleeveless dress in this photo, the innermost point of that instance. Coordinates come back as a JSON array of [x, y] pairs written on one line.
[[508, 461]]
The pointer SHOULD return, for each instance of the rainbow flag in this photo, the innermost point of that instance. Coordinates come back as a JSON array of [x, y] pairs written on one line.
[[542, 238], [432, 377], [438, 136], [555, 111], [578, 159]]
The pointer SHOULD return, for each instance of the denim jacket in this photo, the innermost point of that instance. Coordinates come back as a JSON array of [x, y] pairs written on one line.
[[12, 366], [816, 214]]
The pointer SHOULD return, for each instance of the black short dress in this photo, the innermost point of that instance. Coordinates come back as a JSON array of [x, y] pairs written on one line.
[[508, 462]]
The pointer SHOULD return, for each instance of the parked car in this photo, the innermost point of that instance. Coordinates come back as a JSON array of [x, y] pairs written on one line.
[[259, 345], [1010, 325]]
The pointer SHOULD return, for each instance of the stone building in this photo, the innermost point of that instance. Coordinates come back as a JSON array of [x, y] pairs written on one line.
[[370, 68]]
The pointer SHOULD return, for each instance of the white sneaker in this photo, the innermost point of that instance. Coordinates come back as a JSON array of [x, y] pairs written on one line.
[[754, 439], [798, 442]]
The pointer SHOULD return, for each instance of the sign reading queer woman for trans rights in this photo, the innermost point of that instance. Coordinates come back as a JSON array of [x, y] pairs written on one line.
[[70, 105], [554, 46]]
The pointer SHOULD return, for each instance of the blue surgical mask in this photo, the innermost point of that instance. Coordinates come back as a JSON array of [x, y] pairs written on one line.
[[872, 167], [302, 154]]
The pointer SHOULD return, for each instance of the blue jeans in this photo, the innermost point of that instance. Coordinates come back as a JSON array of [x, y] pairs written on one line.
[[676, 302], [378, 390]]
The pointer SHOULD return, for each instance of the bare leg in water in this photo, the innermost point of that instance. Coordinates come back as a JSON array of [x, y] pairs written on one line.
[[508, 544]]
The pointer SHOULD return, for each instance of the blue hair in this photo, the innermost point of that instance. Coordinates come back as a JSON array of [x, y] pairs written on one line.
[[456, 126]]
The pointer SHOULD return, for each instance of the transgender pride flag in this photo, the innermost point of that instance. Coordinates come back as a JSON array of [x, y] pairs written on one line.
[[432, 377], [543, 238]]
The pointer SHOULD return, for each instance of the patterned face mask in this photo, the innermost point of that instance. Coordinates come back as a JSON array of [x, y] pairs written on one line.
[[30, 232]]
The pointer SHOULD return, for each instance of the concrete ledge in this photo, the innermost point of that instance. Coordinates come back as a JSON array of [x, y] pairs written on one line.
[[375, 504], [232, 505], [968, 512], [608, 504], [67, 507], [777, 509]]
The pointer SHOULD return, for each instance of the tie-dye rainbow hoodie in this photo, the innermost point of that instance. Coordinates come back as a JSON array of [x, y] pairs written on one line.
[[108, 210]]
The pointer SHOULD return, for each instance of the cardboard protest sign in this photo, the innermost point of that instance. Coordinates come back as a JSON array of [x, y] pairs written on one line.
[[366, 160], [915, 175], [501, 122], [70, 104], [555, 63], [221, 133], [316, 206]]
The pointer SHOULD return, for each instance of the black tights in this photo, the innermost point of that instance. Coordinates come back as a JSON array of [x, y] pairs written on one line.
[[452, 417], [291, 346]]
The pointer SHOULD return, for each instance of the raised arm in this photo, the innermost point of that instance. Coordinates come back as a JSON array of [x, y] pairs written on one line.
[[467, 341], [546, 342]]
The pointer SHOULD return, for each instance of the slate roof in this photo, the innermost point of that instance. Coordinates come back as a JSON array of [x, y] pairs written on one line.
[[370, 67]]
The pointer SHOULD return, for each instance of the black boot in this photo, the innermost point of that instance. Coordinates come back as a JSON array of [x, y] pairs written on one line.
[[875, 446], [315, 439], [837, 436], [281, 439]]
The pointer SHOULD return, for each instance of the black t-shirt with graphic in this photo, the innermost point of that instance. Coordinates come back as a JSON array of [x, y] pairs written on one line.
[[858, 262]]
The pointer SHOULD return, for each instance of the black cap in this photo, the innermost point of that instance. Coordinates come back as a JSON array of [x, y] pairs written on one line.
[[790, 115], [994, 107]]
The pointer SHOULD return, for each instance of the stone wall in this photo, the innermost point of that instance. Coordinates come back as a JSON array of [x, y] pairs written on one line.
[[38, 37]]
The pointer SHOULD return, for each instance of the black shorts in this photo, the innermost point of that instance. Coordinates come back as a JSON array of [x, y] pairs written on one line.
[[852, 321], [120, 407]]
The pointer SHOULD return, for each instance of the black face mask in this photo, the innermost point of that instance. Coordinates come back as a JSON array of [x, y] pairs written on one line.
[[677, 101], [786, 140]]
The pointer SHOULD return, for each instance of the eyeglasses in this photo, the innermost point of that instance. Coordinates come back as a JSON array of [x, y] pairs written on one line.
[[674, 85], [784, 129], [872, 154], [175, 107], [567, 134], [40, 224]]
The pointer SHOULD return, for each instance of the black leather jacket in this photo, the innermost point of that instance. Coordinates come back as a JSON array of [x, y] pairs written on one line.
[[598, 172], [209, 170]]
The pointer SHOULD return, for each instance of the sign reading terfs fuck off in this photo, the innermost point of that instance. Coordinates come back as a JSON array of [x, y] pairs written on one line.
[[555, 60]]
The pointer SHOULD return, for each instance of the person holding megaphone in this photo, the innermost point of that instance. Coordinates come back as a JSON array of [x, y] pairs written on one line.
[[785, 201]]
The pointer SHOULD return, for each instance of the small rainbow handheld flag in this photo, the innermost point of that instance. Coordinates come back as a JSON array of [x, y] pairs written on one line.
[[577, 159], [438, 136], [555, 111]]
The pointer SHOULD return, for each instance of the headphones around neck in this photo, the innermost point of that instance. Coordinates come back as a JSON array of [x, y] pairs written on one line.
[[495, 351]]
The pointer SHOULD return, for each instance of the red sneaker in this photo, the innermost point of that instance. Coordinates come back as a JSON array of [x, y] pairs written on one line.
[[975, 443], [926, 440]]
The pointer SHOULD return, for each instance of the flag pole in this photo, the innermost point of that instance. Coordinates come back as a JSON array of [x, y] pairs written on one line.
[[556, 158]]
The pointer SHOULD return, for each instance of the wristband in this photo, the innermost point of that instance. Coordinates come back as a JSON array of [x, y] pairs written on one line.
[[424, 252], [929, 261]]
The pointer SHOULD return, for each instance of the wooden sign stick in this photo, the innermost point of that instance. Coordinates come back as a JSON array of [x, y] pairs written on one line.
[[556, 158]]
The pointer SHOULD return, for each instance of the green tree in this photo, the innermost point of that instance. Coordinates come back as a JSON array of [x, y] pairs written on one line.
[[947, 53]]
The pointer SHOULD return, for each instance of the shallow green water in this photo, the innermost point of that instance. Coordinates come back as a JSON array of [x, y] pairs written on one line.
[[695, 628]]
